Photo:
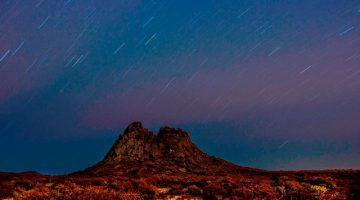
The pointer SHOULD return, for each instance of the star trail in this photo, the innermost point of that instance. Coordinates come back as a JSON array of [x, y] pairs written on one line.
[[261, 83]]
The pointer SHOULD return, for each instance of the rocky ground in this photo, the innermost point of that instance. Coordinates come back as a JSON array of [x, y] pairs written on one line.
[[142, 165]]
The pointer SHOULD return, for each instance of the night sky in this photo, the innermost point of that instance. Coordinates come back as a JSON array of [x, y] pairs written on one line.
[[267, 84]]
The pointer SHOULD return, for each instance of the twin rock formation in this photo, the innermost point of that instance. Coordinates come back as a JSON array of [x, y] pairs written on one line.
[[138, 151], [168, 165]]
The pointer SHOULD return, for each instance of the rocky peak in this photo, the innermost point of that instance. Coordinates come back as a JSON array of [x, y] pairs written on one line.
[[172, 136], [139, 144], [134, 127], [136, 130], [138, 150], [134, 144]]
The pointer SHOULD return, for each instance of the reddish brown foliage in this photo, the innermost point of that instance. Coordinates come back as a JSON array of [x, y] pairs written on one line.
[[142, 165]]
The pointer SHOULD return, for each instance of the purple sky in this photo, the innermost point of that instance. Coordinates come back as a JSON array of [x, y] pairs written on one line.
[[267, 84]]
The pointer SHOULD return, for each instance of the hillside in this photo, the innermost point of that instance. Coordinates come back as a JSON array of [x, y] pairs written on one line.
[[144, 165]]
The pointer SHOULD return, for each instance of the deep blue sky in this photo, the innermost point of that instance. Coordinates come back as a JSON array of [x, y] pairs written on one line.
[[269, 84]]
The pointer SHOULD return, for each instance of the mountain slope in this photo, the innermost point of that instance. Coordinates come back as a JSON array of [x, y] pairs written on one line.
[[140, 151], [143, 165]]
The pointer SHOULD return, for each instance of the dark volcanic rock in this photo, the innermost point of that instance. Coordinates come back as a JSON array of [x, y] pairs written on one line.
[[139, 144], [134, 145], [171, 150], [143, 165]]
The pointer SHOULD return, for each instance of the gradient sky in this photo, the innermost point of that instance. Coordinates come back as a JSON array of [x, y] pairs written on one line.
[[268, 84]]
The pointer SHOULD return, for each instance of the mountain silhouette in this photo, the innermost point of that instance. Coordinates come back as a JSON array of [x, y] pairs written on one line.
[[138, 150], [167, 165]]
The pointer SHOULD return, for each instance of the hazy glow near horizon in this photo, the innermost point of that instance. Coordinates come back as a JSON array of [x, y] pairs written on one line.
[[266, 84]]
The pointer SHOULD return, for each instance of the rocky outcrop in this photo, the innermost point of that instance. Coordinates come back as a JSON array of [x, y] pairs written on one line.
[[167, 165], [138, 150]]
